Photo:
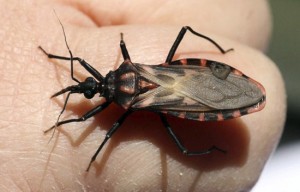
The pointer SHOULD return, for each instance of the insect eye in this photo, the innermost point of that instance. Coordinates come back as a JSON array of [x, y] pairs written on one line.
[[90, 79], [89, 94], [219, 70], [89, 87]]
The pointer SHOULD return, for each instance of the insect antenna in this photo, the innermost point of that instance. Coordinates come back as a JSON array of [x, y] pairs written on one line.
[[65, 104], [71, 89], [70, 52]]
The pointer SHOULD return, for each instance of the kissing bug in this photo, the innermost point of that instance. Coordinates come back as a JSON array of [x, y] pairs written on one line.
[[195, 89]]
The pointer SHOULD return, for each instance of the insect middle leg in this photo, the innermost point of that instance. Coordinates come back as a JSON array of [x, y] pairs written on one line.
[[180, 37], [183, 149]]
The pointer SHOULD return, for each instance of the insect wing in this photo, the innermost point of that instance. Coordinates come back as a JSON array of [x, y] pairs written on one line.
[[193, 88]]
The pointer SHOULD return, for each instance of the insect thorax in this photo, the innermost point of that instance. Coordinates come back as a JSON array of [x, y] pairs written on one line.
[[125, 84]]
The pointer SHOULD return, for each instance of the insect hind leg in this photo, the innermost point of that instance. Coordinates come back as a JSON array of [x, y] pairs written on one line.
[[180, 37], [183, 149]]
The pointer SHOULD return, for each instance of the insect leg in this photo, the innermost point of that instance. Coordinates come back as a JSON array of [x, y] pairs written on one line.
[[111, 131], [87, 66], [179, 144], [124, 49], [87, 115], [180, 37]]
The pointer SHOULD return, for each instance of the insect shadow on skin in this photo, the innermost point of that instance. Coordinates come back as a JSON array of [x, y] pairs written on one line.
[[142, 87], [233, 135]]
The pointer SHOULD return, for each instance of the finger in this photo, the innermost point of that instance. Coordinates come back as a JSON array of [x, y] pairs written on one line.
[[96, 45], [245, 22]]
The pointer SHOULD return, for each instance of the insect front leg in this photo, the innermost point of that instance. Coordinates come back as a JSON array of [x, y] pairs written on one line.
[[180, 37], [179, 144], [124, 49], [111, 131], [87, 66], [87, 115]]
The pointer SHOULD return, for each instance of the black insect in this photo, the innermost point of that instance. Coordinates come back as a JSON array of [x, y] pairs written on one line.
[[195, 89]]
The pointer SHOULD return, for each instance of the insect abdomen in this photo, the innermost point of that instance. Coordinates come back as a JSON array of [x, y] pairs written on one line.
[[218, 115], [200, 90]]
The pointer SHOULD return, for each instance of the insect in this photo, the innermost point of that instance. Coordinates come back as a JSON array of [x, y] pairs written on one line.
[[195, 89]]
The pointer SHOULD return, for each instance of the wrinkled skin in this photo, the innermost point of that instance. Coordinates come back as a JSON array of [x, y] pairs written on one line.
[[140, 156]]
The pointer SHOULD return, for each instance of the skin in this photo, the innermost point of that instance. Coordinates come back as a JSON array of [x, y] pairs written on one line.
[[140, 156]]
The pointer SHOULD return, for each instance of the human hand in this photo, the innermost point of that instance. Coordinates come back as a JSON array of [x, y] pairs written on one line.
[[140, 156]]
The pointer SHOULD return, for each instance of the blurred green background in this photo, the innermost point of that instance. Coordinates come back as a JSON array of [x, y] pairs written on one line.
[[284, 50]]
